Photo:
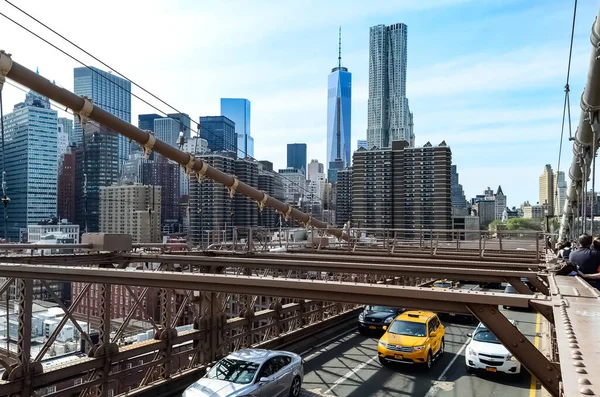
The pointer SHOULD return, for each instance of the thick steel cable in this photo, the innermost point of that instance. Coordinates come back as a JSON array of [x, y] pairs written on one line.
[[594, 200]]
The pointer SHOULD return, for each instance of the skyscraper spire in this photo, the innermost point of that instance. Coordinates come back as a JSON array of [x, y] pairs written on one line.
[[340, 48]]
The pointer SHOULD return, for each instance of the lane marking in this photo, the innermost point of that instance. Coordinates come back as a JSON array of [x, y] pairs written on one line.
[[349, 374], [533, 383], [436, 387], [331, 343]]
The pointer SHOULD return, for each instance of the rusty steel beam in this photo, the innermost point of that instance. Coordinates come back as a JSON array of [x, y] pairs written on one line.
[[85, 108], [397, 270], [446, 262], [450, 260], [410, 297], [65, 259], [536, 363]]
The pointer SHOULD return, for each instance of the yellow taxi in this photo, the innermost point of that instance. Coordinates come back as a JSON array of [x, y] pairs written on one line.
[[413, 337]]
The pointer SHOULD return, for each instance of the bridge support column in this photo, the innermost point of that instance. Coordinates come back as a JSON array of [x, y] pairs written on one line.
[[528, 355]]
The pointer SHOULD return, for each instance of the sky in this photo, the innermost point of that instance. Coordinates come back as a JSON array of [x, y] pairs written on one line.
[[486, 76]]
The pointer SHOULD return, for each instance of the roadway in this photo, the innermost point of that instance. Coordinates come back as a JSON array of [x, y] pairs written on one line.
[[348, 367]]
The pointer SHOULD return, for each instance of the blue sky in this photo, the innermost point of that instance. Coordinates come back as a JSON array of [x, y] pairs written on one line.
[[485, 76]]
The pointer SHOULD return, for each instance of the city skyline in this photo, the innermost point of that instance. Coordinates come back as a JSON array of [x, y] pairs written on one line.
[[495, 102]]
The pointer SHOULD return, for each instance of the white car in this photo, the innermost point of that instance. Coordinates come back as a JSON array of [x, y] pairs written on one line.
[[485, 352], [252, 373]]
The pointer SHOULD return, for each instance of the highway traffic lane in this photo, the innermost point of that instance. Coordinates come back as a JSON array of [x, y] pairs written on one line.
[[457, 382], [349, 367]]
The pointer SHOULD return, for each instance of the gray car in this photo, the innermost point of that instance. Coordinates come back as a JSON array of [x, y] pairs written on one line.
[[252, 373]]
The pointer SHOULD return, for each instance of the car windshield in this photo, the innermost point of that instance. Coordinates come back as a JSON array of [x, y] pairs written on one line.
[[483, 334], [236, 371], [401, 327], [381, 309], [442, 285]]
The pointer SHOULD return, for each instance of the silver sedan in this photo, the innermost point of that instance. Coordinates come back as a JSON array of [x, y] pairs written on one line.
[[251, 373]]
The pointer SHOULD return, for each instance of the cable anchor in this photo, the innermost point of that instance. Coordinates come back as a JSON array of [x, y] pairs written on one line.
[[83, 115], [201, 174], [262, 202], [189, 167], [5, 66], [149, 144], [233, 187]]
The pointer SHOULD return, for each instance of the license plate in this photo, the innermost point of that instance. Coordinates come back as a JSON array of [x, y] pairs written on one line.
[[372, 327], [398, 356], [490, 369]]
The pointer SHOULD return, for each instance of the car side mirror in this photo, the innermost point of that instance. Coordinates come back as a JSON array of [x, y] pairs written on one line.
[[433, 334], [208, 369], [385, 328], [470, 335], [264, 379]]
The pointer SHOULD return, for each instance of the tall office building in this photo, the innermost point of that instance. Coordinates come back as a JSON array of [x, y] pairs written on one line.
[[219, 132], [238, 111], [165, 174], [459, 201], [294, 184], [500, 202], [167, 130], [62, 138], [245, 210], [66, 126], [343, 197], [296, 156], [339, 90], [547, 188], [316, 183], [388, 116], [66, 186], [146, 121], [361, 143], [271, 183], [560, 192], [184, 122], [132, 209], [97, 163], [31, 163], [210, 207], [109, 92], [402, 187]]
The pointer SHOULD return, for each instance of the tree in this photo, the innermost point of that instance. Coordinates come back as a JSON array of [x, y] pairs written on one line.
[[523, 224], [496, 225]]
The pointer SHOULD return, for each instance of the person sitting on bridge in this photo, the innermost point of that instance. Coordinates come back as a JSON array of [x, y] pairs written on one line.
[[587, 258], [564, 250]]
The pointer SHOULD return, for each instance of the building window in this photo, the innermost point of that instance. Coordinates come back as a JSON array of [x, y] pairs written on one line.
[[51, 389]]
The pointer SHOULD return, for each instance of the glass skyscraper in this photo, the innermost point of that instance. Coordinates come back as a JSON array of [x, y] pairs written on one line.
[[109, 92], [146, 121], [296, 156], [167, 130], [31, 132], [222, 135], [238, 111], [361, 143], [388, 115], [339, 90]]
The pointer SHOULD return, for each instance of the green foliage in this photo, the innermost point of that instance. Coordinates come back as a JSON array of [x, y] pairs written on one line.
[[523, 224], [496, 225]]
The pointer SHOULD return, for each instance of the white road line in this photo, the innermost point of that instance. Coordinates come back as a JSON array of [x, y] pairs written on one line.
[[435, 387], [331, 343], [350, 373]]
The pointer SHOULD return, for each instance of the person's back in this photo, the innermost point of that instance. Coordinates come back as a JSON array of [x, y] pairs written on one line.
[[586, 257]]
